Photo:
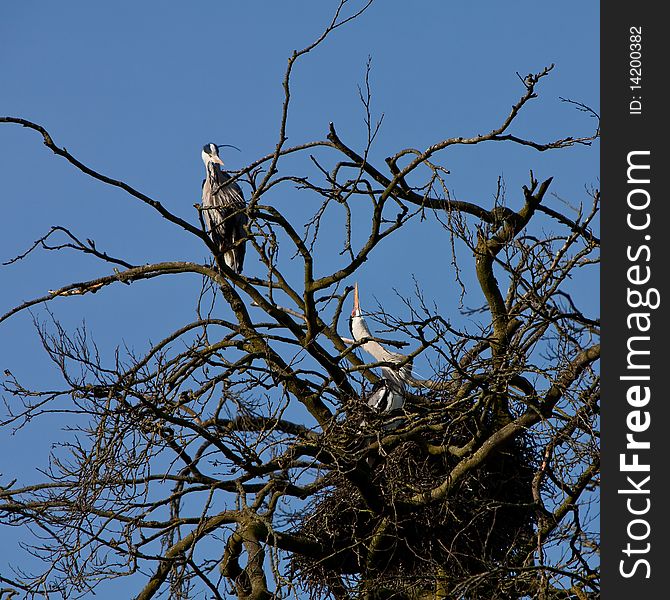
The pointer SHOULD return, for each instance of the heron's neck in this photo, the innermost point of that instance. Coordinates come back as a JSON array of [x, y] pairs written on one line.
[[360, 331], [216, 174], [359, 328]]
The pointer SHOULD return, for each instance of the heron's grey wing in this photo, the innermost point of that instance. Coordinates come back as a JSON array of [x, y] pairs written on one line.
[[397, 401], [233, 197], [378, 399], [227, 192], [213, 212], [240, 249]]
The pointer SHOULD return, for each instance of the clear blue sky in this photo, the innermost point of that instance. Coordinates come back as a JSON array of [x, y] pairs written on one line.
[[134, 89]]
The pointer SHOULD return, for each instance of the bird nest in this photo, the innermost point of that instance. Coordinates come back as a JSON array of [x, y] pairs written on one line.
[[401, 548]]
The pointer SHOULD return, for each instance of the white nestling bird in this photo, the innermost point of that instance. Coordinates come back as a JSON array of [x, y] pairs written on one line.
[[389, 393], [223, 206]]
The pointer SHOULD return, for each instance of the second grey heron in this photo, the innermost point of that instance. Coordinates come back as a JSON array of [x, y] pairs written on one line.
[[223, 205], [388, 394]]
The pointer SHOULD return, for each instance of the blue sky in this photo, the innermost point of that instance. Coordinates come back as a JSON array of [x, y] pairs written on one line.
[[134, 89]]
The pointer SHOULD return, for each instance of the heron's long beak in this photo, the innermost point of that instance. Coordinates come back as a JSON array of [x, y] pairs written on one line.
[[357, 307]]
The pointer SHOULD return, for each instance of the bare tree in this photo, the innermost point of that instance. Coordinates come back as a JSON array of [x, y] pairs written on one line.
[[238, 455]]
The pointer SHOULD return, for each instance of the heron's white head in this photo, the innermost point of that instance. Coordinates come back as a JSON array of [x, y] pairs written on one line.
[[210, 154]]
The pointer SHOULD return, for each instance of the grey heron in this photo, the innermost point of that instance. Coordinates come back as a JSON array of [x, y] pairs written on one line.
[[223, 205], [389, 393]]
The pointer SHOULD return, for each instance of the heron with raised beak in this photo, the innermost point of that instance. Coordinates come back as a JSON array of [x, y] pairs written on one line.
[[389, 393]]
